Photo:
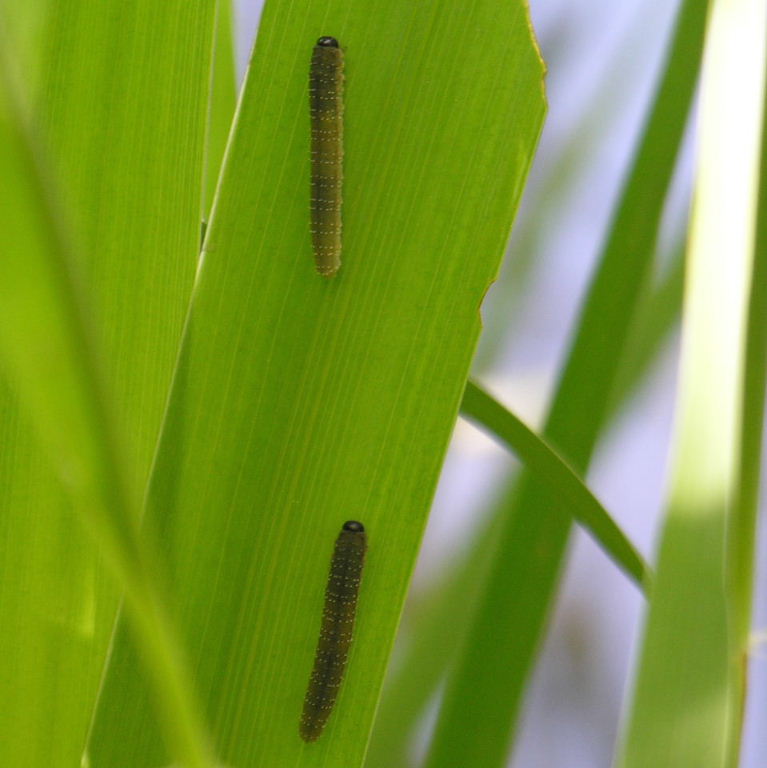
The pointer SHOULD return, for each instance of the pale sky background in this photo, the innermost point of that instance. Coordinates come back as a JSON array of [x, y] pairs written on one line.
[[603, 58]]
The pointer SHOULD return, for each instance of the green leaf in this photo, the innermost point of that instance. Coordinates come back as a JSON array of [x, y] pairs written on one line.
[[114, 147], [301, 402], [550, 468], [741, 566], [125, 98], [51, 601], [413, 681], [684, 700], [47, 355], [24, 25], [222, 101], [481, 704], [657, 316]]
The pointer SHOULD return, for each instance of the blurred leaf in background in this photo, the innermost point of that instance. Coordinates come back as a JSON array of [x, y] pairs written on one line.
[[115, 111], [687, 705]]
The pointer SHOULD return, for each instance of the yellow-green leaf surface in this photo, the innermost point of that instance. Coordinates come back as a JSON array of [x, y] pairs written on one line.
[[222, 100], [117, 113], [683, 702], [484, 694], [24, 25], [47, 354], [301, 402], [140, 83]]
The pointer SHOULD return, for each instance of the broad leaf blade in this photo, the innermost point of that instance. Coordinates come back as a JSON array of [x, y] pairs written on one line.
[[302, 402]]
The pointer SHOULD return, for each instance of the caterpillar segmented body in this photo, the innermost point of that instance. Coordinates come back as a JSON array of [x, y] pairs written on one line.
[[336, 629], [326, 84]]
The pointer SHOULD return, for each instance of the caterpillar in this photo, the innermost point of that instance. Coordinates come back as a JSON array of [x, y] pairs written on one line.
[[336, 629], [326, 84]]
